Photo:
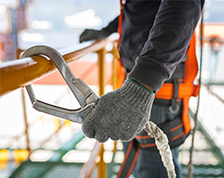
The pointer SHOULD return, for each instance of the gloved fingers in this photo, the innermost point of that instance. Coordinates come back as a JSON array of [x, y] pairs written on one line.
[[114, 137], [120, 114], [88, 130], [140, 127], [89, 34], [101, 137], [84, 36], [127, 138]]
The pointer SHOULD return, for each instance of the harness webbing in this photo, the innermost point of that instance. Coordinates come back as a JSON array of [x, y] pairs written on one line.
[[185, 89], [120, 19], [130, 159], [120, 70], [174, 131]]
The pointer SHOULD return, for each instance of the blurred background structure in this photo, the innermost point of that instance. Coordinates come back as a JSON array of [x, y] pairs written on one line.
[[34, 144]]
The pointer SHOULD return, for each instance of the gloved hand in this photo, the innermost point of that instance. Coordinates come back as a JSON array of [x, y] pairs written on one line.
[[120, 114], [91, 34]]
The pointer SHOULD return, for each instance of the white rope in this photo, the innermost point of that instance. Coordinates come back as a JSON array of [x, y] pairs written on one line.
[[161, 141], [190, 163]]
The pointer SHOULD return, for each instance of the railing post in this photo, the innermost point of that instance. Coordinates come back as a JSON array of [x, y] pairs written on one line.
[[118, 71], [114, 70], [101, 65], [102, 166], [26, 123]]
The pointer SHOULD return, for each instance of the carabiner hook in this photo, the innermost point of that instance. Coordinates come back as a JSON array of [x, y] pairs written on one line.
[[84, 95]]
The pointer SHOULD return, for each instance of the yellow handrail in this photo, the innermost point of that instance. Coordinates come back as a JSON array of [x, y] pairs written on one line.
[[19, 73]]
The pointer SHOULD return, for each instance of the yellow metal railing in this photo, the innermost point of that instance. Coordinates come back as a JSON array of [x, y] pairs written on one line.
[[19, 73]]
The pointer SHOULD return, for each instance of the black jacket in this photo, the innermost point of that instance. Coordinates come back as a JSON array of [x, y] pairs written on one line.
[[155, 37]]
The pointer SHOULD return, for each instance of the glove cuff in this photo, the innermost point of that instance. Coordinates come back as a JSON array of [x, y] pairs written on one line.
[[141, 86], [135, 93]]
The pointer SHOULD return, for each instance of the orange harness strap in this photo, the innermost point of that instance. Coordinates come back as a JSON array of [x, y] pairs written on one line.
[[120, 70], [187, 88], [120, 19]]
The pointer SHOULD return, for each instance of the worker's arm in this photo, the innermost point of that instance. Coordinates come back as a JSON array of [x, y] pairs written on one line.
[[91, 34], [121, 114], [167, 43]]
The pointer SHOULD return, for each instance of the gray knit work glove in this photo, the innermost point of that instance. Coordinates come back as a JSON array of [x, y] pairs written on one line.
[[120, 114]]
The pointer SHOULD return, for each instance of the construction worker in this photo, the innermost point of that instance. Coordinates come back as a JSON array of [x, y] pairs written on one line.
[[154, 40]]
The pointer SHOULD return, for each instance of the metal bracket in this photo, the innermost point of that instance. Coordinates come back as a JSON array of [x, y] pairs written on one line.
[[84, 95]]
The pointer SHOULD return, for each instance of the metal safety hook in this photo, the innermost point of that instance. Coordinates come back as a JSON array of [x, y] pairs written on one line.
[[84, 95]]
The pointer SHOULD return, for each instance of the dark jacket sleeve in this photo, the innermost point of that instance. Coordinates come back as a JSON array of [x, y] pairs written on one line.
[[167, 42]]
